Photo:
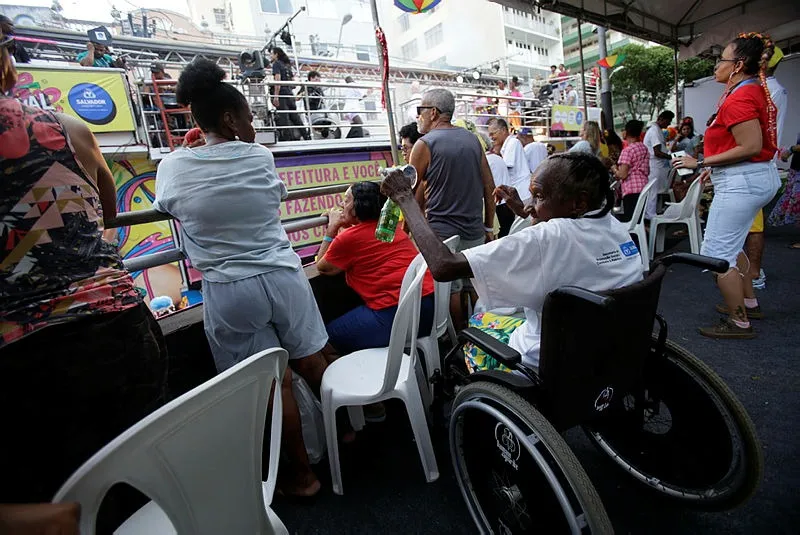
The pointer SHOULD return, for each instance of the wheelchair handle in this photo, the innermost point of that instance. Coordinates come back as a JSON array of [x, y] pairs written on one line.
[[602, 301], [705, 262]]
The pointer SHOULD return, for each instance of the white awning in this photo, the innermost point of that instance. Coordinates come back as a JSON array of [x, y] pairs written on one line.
[[692, 25]]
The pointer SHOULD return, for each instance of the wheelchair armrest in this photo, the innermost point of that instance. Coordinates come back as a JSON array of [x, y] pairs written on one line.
[[696, 260], [491, 346], [581, 294]]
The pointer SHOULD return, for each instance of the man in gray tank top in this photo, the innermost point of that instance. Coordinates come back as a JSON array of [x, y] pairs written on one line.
[[455, 187]]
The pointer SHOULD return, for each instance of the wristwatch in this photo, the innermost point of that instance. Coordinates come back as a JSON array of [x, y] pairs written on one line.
[[700, 160]]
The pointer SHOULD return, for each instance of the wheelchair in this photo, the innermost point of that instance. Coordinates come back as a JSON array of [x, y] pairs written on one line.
[[656, 411]]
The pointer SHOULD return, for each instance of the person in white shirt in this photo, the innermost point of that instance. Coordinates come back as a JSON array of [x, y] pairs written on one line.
[[519, 173], [535, 151], [352, 105], [754, 244], [499, 170], [571, 96], [576, 241], [659, 159]]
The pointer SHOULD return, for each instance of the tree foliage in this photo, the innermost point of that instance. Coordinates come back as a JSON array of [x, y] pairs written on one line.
[[647, 80]]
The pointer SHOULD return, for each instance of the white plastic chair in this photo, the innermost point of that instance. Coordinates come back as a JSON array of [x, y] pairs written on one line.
[[519, 224], [198, 458], [377, 374], [636, 224], [442, 323], [685, 213]]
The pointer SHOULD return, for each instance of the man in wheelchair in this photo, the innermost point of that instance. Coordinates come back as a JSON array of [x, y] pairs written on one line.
[[586, 354]]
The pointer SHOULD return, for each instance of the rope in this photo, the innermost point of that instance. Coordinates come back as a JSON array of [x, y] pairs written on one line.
[[381, 37]]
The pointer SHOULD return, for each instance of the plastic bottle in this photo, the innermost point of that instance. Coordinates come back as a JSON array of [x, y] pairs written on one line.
[[390, 213]]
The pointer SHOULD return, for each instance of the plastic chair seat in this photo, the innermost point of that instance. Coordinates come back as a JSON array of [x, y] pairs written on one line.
[[360, 374]]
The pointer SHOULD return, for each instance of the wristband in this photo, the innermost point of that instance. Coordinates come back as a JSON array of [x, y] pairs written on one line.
[[327, 239], [488, 229]]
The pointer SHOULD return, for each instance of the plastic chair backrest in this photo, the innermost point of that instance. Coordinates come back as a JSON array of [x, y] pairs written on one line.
[[590, 355], [198, 457], [692, 199], [441, 307], [406, 322], [638, 211], [519, 224]]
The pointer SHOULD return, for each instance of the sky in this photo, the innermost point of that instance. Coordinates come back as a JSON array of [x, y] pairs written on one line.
[[101, 9]]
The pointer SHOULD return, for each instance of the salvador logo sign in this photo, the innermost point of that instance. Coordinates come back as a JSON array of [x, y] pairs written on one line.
[[92, 103]]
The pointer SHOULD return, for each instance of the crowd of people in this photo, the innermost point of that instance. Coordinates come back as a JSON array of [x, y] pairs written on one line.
[[70, 310]]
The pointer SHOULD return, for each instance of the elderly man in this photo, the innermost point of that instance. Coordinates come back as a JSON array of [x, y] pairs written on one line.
[[454, 186], [519, 172]]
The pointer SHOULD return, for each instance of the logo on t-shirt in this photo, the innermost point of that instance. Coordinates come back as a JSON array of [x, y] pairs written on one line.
[[92, 103], [629, 248]]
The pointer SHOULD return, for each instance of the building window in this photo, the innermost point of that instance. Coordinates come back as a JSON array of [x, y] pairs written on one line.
[[362, 53], [434, 36], [276, 6], [439, 63], [410, 50], [219, 15], [405, 23]]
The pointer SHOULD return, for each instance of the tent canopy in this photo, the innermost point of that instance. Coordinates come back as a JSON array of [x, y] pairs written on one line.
[[693, 26]]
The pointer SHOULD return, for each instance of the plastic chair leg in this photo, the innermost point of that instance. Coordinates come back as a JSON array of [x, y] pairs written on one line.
[[694, 238], [356, 415], [661, 232], [416, 414], [644, 250], [332, 438]]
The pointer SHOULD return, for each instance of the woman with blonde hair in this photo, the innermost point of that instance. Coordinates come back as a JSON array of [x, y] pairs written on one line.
[[590, 139]]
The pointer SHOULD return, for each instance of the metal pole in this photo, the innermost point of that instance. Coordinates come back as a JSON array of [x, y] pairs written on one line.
[[385, 80], [583, 78], [677, 96], [297, 70], [605, 81]]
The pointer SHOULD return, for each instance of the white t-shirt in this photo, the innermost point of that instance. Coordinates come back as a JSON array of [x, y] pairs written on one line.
[[780, 97], [572, 98], [227, 198], [652, 138], [522, 268], [536, 153], [518, 171], [499, 170]]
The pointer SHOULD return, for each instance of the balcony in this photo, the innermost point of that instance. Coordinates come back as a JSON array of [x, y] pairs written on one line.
[[549, 30], [527, 58]]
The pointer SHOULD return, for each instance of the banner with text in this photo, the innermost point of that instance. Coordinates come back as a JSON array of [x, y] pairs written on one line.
[[97, 97], [310, 171]]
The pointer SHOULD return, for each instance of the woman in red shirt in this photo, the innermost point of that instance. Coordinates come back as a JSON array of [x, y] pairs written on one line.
[[374, 269], [739, 148]]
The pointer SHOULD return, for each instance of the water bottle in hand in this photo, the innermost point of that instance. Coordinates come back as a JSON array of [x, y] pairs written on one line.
[[390, 213]]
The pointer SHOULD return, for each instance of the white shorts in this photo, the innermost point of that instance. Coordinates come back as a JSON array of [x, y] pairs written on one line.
[[740, 191], [274, 309]]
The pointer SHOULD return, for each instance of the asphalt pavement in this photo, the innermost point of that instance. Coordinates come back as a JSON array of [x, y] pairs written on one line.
[[385, 490]]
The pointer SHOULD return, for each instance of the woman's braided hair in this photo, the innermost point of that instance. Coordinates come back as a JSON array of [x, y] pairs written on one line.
[[755, 50], [584, 172]]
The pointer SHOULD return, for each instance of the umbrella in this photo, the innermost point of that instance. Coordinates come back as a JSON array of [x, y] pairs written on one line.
[[611, 61], [416, 6]]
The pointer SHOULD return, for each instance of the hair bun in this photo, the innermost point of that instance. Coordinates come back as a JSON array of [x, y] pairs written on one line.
[[197, 80]]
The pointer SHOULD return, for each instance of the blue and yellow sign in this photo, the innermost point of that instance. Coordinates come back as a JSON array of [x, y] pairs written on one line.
[[98, 97], [569, 118]]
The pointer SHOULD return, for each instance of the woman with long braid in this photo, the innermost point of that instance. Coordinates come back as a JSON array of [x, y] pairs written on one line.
[[575, 241], [740, 144]]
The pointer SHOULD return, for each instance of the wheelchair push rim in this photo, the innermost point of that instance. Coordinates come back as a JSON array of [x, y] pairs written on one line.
[[686, 436], [516, 473]]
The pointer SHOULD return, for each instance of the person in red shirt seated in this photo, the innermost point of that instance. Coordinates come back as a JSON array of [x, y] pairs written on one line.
[[374, 269]]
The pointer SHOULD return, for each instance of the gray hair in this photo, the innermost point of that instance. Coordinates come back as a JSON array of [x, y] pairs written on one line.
[[442, 99]]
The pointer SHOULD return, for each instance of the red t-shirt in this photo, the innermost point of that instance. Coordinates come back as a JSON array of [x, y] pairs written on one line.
[[746, 103], [374, 269]]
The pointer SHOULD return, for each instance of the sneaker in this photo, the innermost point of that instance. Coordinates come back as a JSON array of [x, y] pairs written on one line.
[[375, 413], [761, 282], [752, 313], [727, 330]]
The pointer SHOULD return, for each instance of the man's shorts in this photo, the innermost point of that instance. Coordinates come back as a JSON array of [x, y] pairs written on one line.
[[758, 223], [462, 284]]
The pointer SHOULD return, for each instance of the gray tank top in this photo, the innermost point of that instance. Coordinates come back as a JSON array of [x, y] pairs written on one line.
[[454, 188]]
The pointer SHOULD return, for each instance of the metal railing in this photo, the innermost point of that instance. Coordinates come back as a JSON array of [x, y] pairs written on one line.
[[143, 217]]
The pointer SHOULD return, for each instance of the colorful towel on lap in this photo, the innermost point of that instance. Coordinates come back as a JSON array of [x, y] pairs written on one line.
[[499, 327]]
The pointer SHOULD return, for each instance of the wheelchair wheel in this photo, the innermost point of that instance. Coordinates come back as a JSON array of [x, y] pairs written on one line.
[[516, 473], [688, 437]]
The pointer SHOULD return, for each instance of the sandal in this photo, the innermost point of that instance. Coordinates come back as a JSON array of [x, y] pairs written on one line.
[[795, 245]]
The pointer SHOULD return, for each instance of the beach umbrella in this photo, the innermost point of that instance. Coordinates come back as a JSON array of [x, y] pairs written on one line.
[[416, 6]]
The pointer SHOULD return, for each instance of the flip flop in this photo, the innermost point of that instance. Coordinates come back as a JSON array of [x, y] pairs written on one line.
[[795, 245]]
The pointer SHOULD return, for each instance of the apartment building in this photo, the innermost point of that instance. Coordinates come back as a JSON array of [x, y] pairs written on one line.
[[476, 35], [591, 50]]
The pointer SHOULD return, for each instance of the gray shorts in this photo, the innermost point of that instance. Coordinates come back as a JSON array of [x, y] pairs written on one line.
[[274, 309], [465, 284]]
